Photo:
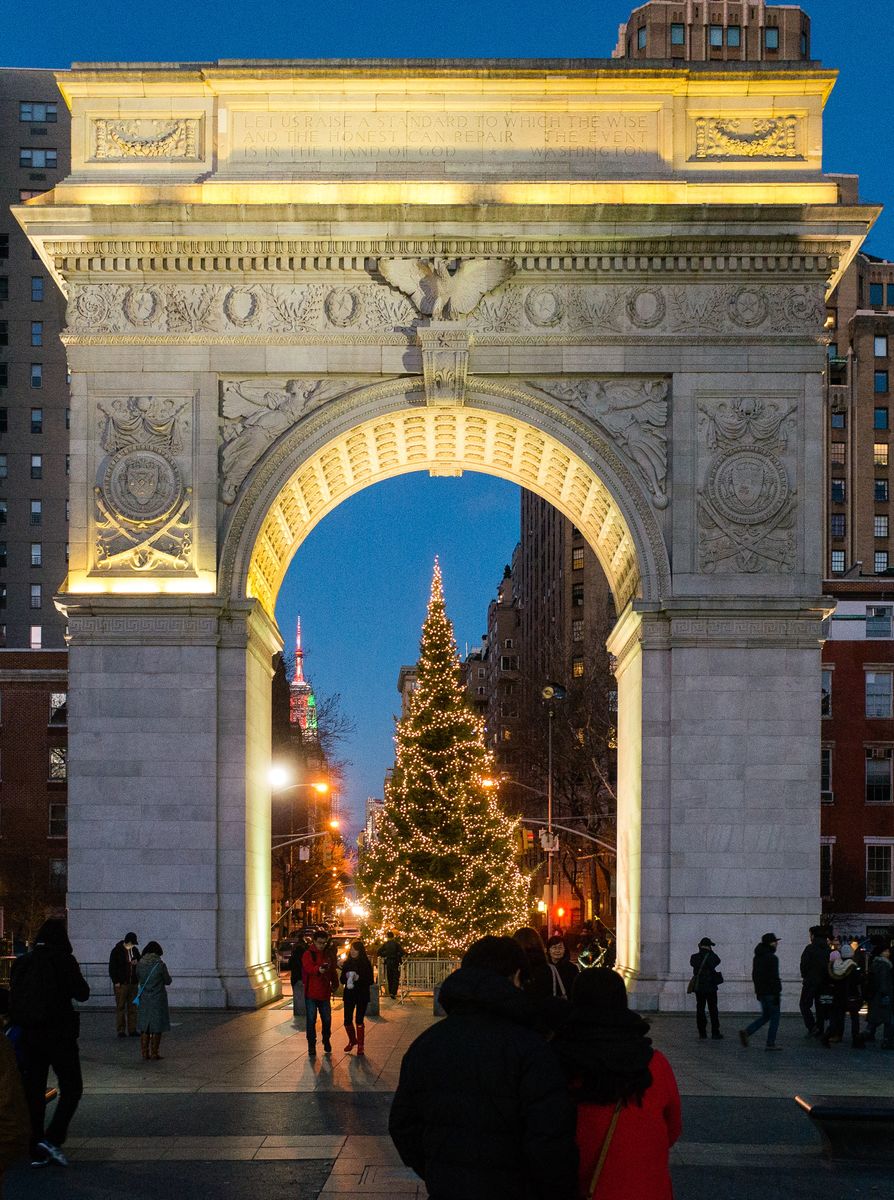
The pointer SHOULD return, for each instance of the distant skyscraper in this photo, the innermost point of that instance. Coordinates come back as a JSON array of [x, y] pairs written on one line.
[[302, 701]]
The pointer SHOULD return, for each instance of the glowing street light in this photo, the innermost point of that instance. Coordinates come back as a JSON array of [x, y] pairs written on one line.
[[280, 779]]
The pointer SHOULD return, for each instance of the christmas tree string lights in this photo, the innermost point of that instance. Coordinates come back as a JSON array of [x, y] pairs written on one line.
[[442, 870]]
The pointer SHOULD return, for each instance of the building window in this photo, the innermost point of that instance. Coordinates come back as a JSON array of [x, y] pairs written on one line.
[[67, 509], [641, 38], [37, 160], [35, 637], [878, 693], [880, 454], [36, 512], [68, 420], [4, 333], [507, 643], [826, 870], [577, 630], [4, 245], [2, 595], [58, 763], [37, 420], [58, 821], [4, 287], [880, 344], [734, 36], [880, 562], [837, 562], [715, 37], [577, 558], [881, 383], [36, 599], [826, 774], [37, 466], [880, 488], [891, 295], [771, 37], [2, 555], [36, 554], [678, 35], [879, 878], [37, 288], [67, 465], [876, 295], [878, 620], [836, 453], [36, 375], [577, 668], [4, 420], [4, 375], [837, 525], [37, 113], [838, 491], [826, 706], [508, 662], [878, 775], [880, 527], [837, 419], [4, 466], [3, 512], [880, 418]]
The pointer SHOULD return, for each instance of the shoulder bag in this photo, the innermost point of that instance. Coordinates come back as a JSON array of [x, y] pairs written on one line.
[[136, 999], [603, 1153]]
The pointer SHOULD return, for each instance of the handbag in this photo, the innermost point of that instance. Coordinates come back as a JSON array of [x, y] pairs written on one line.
[[690, 986], [136, 1000], [603, 1153]]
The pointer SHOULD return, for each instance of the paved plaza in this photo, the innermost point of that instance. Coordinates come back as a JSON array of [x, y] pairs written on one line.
[[237, 1106]]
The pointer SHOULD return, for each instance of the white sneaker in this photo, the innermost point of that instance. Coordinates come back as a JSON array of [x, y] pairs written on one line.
[[54, 1153]]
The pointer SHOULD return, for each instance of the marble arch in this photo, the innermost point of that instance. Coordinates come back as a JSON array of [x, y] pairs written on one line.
[[288, 280]]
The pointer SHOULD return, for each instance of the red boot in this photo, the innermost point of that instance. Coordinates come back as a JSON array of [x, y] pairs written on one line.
[[352, 1036], [361, 1031]]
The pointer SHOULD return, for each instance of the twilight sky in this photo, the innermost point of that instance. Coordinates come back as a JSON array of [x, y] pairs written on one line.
[[360, 581]]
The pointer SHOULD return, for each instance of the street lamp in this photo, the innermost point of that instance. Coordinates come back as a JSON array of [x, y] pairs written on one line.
[[551, 693]]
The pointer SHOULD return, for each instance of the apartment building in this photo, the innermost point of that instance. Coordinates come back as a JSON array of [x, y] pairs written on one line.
[[722, 31]]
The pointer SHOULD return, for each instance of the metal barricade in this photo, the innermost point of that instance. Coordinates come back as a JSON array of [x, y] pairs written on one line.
[[419, 975]]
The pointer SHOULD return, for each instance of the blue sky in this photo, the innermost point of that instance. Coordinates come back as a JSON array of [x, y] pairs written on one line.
[[361, 579]]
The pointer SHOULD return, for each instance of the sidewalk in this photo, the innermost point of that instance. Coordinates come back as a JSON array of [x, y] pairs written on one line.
[[238, 1099]]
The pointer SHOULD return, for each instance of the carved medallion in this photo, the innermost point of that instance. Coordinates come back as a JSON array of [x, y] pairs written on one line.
[[747, 487], [241, 307], [747, 307], [646, 307], [143, 486], [141, 305], [342, 307], [543, 306], [90, 308]]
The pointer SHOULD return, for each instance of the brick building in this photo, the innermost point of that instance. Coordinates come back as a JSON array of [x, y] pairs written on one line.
[[722, 31], [33, 787], [857, 850]]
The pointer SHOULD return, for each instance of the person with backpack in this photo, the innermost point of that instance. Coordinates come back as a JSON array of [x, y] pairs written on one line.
[[705, 981], [42, 986], [847, 998]]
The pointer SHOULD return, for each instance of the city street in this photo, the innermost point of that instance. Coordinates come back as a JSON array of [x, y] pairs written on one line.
[[236, 1106]]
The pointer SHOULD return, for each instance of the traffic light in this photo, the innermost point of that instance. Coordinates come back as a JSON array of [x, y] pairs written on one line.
[[525, 840]]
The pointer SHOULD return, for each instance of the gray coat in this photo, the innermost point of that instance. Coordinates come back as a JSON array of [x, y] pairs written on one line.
[[152, 1011], [882, 1002]]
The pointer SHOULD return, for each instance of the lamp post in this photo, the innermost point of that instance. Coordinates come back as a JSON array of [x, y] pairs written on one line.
[[551, 692]]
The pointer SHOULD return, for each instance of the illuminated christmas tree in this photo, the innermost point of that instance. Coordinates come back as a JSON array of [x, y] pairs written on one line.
[[442, 870]]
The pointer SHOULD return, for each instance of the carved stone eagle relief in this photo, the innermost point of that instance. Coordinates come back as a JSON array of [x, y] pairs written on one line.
[[436, 292]]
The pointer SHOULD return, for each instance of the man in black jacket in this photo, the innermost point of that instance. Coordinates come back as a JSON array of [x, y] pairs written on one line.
[[41, 989], [814, 978], [123, 974], [482, 1109], [767, 988], [391, 953]]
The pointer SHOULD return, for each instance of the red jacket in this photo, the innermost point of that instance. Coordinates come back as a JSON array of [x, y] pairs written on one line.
[[637, 1164], [318, 984]]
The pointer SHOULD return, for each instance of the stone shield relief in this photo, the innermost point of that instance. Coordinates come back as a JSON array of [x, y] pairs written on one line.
[[142, 518]]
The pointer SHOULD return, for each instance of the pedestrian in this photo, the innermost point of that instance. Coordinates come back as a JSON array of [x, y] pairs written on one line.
[[320, 979], [814, 980], [123, 974], [588, 948], [537, 979], [482, 1111], [356, 979], [153, 1018], [847, 998], [628, 1103], [392, 953], [562, 969], [295, 978], [14, 1123], [706, 979], [43, 984], [767, 989], [881, 997]]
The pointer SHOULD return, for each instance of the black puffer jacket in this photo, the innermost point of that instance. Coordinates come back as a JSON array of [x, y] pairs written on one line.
[[765, 971], [44, 983], [482, 1111], [815, 965]]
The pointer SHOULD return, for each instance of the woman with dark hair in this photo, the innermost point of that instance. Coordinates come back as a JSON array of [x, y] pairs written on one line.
[[538, 980], [356, 979], [628, 1105], [153, 1018], [563, 971]]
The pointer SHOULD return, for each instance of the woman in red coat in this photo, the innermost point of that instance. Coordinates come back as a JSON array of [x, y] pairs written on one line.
[[613, 1069]]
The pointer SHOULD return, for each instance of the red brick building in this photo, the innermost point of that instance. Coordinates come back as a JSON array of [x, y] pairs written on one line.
[[857, 850], [33, 787], [715, 31]]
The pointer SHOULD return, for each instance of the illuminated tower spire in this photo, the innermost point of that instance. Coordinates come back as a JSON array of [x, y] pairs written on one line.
[[302, 702]]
